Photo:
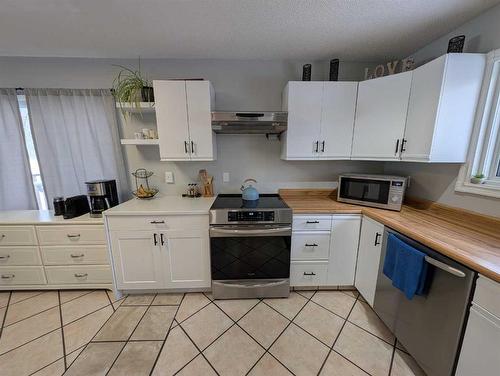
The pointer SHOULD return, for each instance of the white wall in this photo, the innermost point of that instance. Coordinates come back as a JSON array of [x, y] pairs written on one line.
[[239, 85], [436, 182]]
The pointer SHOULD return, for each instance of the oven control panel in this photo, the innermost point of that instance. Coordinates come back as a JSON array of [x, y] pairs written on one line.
[[250, 216]]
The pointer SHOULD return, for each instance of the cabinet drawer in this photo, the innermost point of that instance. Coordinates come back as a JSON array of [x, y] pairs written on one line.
[[78, 255], [22, 275], [17, 235], [19, 256], [310, 246], [308, 273], [305, 222], [149, 222], [66, 275], [487, 295], [62, 235]]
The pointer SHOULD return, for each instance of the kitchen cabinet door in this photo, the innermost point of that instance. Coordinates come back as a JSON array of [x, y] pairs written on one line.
[[172, 120], [186, 254], [481, 347], [343, 250], [303, 102], [337, 119], [200, 101], [381, 117], [443, 100], [137, 260], [369, 254]]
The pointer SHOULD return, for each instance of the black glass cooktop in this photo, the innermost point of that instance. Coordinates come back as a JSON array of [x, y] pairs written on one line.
[[234, 201]]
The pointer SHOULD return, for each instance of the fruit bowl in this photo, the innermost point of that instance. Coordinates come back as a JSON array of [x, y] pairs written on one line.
[[145, 194]]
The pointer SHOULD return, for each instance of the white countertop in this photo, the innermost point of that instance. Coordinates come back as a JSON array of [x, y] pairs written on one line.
[[42, 217], [163, 205]]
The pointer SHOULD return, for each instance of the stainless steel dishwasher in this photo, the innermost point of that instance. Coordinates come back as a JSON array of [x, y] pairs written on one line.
[[430, 326]]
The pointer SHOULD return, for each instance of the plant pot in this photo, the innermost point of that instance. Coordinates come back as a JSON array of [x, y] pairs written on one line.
[[474, 180], [147, 94]]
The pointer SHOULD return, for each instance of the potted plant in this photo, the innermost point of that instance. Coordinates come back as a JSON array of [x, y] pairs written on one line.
[[477, 179], [129, 86]]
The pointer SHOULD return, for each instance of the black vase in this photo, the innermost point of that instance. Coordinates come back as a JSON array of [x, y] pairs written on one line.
[[334, 70], [147, 94], [306, 72]]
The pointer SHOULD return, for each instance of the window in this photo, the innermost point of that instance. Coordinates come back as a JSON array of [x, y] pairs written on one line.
[[484, 151], [41, 198]]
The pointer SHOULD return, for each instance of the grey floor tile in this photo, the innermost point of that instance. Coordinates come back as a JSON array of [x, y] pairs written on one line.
[[4, 299], [267, 366], [337, 365], [96, 359], [236, 308], [155, 323], [190, 304], [139, 299], [136, 359], [264, 324], [198, 366], [24, 331], [67, 295], [83, 305], [288, 307], [364, 316], [121, 324], [54, 369], [168, 299], [31, 306], [320, 322], [335, 301], [18, 296]]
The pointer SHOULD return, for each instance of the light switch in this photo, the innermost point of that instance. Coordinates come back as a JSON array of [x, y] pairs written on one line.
[[169, 177], [225, 177]]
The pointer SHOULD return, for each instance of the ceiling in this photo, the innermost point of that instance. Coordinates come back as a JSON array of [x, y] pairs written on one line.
[[355, 30]]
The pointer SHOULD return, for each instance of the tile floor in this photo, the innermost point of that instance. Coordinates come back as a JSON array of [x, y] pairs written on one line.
[[89, 333]]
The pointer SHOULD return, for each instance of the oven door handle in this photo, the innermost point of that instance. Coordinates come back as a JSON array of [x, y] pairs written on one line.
[[276, 231]]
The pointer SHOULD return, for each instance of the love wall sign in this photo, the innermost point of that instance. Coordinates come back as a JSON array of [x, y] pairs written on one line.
[[392, 67]]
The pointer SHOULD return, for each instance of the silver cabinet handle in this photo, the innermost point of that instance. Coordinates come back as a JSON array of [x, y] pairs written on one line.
[[316, 146], [4, 257], [8, 276], [192, 147], [186, 147], [311, 273], [73, 235], [323, 147], [156, 222], [81, 275], [77, 256], [311, 245], [397, 147]]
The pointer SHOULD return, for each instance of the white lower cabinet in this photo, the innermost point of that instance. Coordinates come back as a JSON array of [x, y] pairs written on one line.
[[160, 259], [137, 260], [324, 250], [369, 253], [480, 354]]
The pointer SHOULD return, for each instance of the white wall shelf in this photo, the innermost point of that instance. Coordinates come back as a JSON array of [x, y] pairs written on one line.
[[144, 107], [133, 141]]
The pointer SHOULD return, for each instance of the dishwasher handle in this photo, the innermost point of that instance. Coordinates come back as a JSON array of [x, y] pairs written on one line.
[[445, 267]]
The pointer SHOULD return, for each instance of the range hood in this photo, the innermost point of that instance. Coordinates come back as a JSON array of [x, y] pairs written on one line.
[[249, 122]]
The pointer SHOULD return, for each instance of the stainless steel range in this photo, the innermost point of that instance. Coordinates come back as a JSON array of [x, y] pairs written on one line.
[[250, 247]]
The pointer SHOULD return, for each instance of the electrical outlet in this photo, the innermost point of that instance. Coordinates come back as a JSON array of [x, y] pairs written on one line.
[[169, 177], [225, 177]]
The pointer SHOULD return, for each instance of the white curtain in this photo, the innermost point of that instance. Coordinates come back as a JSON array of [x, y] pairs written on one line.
[[76, 136], [16, 184]]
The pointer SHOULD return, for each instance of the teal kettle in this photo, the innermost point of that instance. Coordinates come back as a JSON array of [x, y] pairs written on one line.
[[249, 193]]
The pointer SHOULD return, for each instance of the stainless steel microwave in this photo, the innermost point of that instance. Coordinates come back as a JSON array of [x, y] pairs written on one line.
[[379, 191]]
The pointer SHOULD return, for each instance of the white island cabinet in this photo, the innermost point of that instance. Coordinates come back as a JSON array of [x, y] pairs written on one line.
[[41, 251], [160, 244]]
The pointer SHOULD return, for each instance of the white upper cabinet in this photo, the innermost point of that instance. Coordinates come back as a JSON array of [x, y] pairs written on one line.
[[337, 119], [381, 117], [320, 119], [303, 101], [183, 114], [443, 99]]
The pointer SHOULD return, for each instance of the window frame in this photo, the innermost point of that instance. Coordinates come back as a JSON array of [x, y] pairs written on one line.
[[484, 150]]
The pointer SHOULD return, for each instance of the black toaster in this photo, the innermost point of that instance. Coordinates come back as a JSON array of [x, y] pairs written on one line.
[[76, 206]]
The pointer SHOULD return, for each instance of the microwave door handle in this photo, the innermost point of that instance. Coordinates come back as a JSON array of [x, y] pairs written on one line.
[[447, 268]]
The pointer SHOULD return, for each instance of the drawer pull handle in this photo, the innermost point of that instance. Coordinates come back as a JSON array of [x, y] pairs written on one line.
[[81, 275], [311, 245], [8, 276], [4, 257], [157, 222], [77, 256], [311, 273], [311, 222], [73, 236]]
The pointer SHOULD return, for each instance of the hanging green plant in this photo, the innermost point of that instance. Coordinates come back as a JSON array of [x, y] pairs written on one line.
[[129, 86]]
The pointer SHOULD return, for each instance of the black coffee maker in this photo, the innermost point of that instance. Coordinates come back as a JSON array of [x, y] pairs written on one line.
[[102, 195]]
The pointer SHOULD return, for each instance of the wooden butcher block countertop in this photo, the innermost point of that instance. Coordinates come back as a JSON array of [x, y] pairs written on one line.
[[469, 238]]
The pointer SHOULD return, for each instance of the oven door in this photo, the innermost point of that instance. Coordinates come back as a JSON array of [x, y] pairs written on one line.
[[373, 192], [250, 260]]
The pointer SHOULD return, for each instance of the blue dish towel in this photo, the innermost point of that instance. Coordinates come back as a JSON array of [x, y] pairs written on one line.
[[405, 266]]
